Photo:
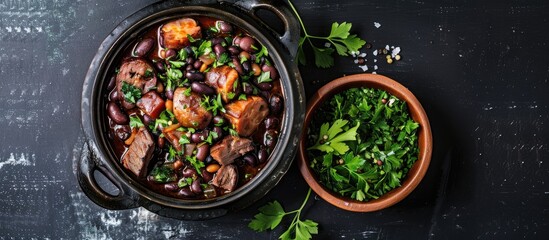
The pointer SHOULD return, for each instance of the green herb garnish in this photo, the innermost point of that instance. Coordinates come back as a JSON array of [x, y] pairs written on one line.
[[163, 174], [197, 164], [135, 122], [270, 216], [131, 92], [339, 37], [368, 160], [264, 77]]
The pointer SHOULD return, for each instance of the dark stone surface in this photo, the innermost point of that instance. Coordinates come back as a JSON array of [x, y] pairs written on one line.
[[479, 68]]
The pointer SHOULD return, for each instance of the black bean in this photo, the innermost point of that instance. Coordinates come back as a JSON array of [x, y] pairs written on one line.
[[190, 60], [217, 40], [272, 71], [247, 88], [169, 94], [161, 142], [195, 76], [247, 44], [197, 64], [218, 49], [123, 132], [170, 53], [265, 86], [172, 187], [116, 114], [250, 159], [189, 50], [219, 133], [202, 88], [206, 176], [189, 67], [113, 96], [209, 159], [188, 172], [238, 66], [223, 27], [218, 120], [234, 50], [246, 66], [262, 155], [272, 122], [143, 47], [199, 137], [186, 192], [275, 104], [236, 41], [195, 186], [265, 94], [202, 152], [160, 66], [112, 83], [147, 120], [270, 138]]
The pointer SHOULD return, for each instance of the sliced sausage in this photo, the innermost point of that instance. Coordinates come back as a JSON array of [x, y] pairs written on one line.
[[188, 111], [139, 154], [175, 32], [246, 115], [152, 104], [138, 73], [225, 80], [226, 178], [230, 148]]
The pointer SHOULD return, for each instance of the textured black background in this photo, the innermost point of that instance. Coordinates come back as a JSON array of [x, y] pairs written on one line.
[[480, 69]]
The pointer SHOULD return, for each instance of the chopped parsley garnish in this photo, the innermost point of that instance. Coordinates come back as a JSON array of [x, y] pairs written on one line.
[[213, 105], [366, 146], [131, 93], [163, 174], [135, 122], [264, 77], [197, 164]]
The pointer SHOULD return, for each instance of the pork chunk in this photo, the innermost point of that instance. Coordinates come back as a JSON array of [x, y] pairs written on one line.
[[187, 110], [246, 115], [175, 33], [224, 79], [226, 178], [152, 104], [230, 148], [139, 154], [138, 73]]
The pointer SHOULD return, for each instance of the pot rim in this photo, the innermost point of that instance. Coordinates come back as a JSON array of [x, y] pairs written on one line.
[[292, 90]]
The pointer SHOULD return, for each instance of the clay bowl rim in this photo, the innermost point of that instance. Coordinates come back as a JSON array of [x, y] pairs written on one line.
[[425, 142]]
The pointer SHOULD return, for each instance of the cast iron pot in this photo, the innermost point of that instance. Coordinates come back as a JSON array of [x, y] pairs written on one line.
[[98, 154]]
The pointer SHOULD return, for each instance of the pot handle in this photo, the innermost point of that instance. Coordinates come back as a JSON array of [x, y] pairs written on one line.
[[290, 38], [86, 168]]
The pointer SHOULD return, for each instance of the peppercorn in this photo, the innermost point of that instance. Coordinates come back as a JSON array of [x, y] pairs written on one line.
[[368, 45], [384, 100], [397, 57], [379, 162], [361, 61], [389, 60]]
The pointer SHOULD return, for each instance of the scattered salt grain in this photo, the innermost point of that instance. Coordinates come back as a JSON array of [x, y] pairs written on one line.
[[377, 25], [375, 53], [395, 52], [364, 67], [375, 67], [327, 44], [387, 47], [362, 55]]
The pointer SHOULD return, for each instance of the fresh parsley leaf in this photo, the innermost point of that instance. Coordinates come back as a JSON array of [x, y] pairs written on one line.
[[131, 92], [242, 97], [329, 140], [264, 77], [163, 174], [177, 64], [205, 48], [270, 216], [183, 182], [135, 122], [197, 164], [191, 39]]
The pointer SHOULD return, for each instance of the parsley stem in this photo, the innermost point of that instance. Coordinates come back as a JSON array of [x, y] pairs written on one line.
[[299, 19]]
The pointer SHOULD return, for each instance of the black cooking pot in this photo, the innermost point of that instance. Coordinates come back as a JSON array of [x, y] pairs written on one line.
[[98, 154]]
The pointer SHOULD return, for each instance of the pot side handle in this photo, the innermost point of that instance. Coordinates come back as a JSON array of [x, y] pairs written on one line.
[[290, 38], [86, 168]]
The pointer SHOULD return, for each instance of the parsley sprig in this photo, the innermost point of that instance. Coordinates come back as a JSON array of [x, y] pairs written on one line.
[[270, 216], [131, 92], [339, 37]]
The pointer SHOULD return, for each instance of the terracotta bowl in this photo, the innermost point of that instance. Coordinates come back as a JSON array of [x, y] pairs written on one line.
[[425, 142]]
